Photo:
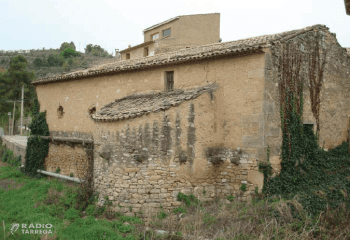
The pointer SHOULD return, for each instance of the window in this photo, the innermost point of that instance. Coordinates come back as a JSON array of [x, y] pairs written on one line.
[[145, 52], [169, 81], [60, 111], [155, 36], [166, 32], [127, 56]]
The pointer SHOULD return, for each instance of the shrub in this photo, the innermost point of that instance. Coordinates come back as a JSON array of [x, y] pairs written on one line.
[[68, 53], [71, 214], [243, 187], [90, 210], [162, 215], [58, 170], [230, 198], [179, 210]]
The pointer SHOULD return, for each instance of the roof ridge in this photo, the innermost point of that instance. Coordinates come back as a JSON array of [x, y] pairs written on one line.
[[251, 44]]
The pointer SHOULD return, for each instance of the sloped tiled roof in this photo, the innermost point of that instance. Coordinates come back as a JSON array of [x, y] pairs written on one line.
[[160, 24], [347, 6], [217, 50], [137, 105]]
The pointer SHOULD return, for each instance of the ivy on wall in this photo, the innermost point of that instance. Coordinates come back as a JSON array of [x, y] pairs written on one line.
[[37, 148], [319, 178]]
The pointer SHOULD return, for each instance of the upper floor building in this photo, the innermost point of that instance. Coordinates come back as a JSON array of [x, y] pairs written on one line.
[[174, 34]]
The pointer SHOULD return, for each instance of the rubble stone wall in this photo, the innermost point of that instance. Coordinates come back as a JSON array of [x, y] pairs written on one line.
[[334, 97], [143, 163]]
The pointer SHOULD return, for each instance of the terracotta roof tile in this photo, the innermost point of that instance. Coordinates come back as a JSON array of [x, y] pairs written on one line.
[[216, 50], [136, 105]]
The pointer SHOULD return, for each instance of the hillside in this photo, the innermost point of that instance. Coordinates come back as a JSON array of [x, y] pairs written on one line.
[[48, 62]]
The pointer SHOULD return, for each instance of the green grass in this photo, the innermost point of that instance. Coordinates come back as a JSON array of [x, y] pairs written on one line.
[[34, 201]]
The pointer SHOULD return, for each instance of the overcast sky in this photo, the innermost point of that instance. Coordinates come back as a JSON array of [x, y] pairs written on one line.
[[33, 24]]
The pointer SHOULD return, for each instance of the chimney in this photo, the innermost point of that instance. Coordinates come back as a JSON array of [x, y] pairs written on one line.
[[117, 54]]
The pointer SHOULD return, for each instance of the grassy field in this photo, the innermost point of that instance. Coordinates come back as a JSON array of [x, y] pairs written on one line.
[[44, 201]]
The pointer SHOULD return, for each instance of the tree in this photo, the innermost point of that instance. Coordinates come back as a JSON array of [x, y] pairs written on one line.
[[95, 50], [11, 83], [54, 60], [66, 45], [69, 52]]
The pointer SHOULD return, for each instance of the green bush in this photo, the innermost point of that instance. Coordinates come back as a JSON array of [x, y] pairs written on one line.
[[243, 187], [71, 214], [69, 52], [230, 198], [179, 210], [58, 170], [162, 215], [90, 210]]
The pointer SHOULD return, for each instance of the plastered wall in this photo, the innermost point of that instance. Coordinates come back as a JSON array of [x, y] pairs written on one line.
[[147, 161], [226, 120]]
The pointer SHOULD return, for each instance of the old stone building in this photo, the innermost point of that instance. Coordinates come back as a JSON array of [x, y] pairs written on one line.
[[196, 120]]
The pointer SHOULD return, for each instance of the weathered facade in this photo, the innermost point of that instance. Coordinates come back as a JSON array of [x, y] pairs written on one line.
[[207, 135], [177, 33]]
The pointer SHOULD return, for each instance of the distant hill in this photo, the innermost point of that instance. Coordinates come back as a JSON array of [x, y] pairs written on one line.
[[49, 62]]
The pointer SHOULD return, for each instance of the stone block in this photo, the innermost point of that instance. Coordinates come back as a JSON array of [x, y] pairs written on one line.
[[155, 191], [176, 204], [128, 170], [256, 177], [133, 200], [155, 205], [141, 191], [155, 178]]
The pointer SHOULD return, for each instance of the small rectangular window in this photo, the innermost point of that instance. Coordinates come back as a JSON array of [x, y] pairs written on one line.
[[127, 56], [166, 32], [155, 36], [145, 52], [169, 80]]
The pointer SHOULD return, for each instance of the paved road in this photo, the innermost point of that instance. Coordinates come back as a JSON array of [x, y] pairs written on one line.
[[22, 140]]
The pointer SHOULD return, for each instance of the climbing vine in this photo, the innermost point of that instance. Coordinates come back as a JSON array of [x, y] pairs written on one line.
[[317, 177], [316, 64], [37, 148]]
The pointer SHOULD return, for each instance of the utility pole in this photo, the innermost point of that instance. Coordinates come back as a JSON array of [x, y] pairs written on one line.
[[13, 117], [9, 123], [22, 108]]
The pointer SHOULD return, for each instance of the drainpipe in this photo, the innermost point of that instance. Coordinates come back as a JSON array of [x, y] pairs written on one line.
[[60, 176]]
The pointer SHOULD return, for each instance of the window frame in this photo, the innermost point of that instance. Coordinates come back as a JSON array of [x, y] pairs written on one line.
[[164, 31], [127, 56], [146, 51], [169, 85], [153, 35]]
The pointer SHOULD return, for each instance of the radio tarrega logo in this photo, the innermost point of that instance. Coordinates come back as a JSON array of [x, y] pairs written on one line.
[[14, 227], [32, 228]]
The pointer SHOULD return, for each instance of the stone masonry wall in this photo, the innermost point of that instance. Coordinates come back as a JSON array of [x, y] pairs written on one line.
[[68, 152], [334, 99], [144, 163]]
